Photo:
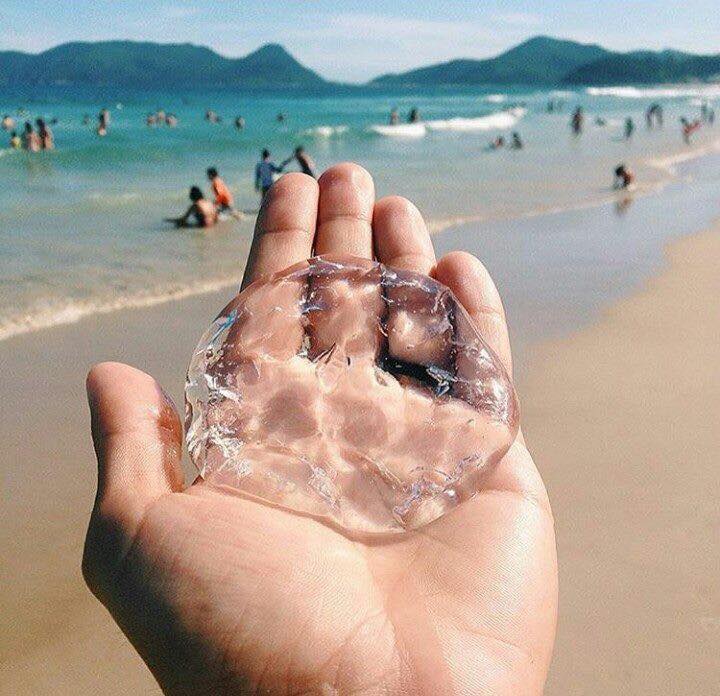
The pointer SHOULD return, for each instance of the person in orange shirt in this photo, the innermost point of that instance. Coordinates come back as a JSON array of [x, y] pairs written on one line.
[[223, 197]]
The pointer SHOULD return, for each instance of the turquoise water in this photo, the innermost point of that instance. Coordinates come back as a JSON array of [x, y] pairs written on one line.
[[81, 227]]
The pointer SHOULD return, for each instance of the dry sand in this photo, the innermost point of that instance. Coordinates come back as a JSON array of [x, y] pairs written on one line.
[[624, 422]]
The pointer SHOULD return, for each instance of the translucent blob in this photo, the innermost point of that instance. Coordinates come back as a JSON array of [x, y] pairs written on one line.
[[346, 390]]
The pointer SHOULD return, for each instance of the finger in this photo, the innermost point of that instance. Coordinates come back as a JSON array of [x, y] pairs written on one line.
[[476, 291], [417, 327], [400, 236], [137, 437], [285, 227], [345, 210]]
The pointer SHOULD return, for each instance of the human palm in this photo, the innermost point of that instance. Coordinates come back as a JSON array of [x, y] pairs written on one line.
[[223, 594]]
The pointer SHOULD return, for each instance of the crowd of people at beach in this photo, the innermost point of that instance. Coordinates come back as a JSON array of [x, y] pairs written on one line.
[[206, 213], [32, 139]]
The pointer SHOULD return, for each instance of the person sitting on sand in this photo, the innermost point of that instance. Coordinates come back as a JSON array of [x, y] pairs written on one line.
[[624, 177], [15, 142], [223, 197], [307, 166], [264, 173], [30, 139], [47, 142], [201, 209], [8, 122]]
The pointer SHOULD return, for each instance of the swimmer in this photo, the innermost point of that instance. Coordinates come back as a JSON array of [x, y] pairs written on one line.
[[239, 122], [47, 142], [307, 166], [281, 117], [264, 172], [15, 142], [104, 118], [101, 130], [30, 139], [211, 116], [171, 120], [394, 117], [624, 177], [150, 120], [223, 197], [8, 122], [498, 143], [86, 120], [201, 209]]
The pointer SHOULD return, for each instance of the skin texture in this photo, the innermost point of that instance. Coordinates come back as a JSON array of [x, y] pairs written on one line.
[[220, 594]]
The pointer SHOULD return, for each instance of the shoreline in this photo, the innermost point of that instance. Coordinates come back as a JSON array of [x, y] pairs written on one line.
[[626, 437], [72, 312], [57, 637]]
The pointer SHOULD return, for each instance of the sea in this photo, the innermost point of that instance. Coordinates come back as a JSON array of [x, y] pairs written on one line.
[[82, 231]]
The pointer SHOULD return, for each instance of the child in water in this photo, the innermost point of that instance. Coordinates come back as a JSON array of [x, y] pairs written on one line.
[[223, 197]]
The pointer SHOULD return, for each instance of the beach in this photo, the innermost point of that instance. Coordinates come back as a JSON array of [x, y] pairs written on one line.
[[618, 409]]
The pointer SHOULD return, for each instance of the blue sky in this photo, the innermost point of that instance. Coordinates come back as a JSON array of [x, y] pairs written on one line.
[[355, 40]]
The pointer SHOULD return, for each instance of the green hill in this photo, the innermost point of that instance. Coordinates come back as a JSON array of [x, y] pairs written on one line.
[[646, 67], [545, 61], [138, 64], [540, 60]]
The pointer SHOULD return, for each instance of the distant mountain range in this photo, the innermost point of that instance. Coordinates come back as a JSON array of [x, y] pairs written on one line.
[[542, 61], [151, 65]]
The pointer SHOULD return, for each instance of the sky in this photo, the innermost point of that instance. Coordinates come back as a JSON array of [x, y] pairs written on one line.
[[351, 40]]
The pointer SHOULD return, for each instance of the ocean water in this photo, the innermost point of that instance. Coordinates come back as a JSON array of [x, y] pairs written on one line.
[[81, 227]]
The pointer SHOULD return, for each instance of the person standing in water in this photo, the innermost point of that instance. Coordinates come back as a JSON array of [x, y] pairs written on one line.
[[8, 122], [223, 197], [629, 128], [264, 173], [307, 166], [414, 116], [30, 139], [394, 117], [15, 142], [47, 142], [624, 177], [578, 118], [201, 209]]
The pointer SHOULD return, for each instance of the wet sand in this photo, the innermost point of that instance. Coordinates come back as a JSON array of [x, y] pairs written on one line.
[[622, 418]]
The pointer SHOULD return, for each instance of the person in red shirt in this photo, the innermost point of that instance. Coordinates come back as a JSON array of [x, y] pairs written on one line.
[[223, 197]]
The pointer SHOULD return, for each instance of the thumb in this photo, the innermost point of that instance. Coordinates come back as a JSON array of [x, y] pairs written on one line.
[[138, 440]]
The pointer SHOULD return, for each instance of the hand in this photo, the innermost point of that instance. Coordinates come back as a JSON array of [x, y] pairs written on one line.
[[221, 594]]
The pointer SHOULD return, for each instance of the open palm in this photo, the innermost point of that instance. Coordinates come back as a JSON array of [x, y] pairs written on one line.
[[222, 594]]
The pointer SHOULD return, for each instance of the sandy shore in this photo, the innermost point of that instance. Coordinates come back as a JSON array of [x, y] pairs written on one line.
[[623, 420]]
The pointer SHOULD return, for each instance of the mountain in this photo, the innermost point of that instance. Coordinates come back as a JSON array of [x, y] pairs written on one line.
[[540, 60], [645, 67], [151, 65], [543, 60]]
